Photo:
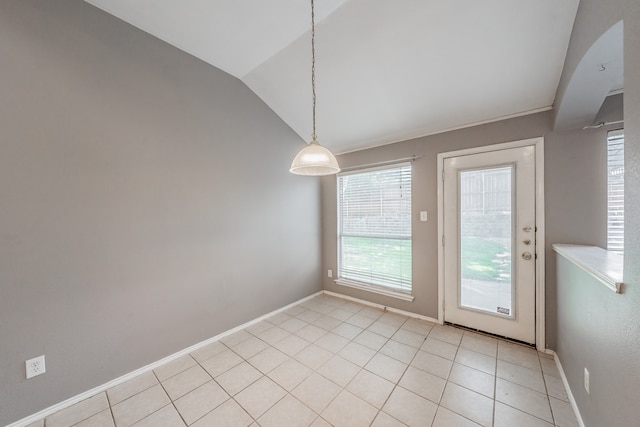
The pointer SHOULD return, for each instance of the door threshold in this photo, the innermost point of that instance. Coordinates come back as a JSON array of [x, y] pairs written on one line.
[[488, 334]]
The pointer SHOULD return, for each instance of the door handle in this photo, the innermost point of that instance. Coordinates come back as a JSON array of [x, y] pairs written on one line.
[[526, 229], [526, 242], [526, 256]]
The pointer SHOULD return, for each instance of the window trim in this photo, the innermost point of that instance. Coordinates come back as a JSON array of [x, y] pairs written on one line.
[[364, 286]]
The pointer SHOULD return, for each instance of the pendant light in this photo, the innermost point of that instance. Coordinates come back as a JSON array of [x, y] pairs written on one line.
[[314, 159]]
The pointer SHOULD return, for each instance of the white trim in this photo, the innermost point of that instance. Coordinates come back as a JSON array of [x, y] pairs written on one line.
[[383, 307], [374, 289], [99, 389], [538, 143], [565, 382], [604, 266]]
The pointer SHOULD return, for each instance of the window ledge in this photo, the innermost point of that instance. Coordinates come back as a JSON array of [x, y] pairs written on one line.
[[374, 289], [603, 265]]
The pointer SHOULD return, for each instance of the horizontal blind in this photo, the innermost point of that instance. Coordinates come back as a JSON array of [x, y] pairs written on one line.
[[374, 227], [615, 191]]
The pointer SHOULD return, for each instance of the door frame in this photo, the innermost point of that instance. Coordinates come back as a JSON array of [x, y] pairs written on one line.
[[538, 143]]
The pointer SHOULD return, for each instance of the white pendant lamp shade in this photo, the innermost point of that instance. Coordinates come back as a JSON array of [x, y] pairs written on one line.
[[314, 159]]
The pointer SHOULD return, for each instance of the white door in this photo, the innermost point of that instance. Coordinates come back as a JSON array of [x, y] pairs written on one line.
[[489, 242]]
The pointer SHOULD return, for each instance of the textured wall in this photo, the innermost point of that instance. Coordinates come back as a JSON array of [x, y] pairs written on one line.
[[145, 202]]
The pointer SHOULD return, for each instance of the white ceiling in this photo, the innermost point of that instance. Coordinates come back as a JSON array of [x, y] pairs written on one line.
[[386, 71]]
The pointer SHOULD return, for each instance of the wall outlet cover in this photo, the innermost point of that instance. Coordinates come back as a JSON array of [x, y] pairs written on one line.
[[35, 366]]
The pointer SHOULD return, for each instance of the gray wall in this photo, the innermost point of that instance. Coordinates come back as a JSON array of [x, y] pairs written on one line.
[[598, 329], [575, 200], [146, 203]]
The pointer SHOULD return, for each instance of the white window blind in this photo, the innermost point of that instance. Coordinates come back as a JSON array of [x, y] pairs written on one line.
[[374, 227], [615, 189]]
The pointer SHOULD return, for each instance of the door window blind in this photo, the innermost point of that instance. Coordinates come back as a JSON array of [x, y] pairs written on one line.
[[374, 227]]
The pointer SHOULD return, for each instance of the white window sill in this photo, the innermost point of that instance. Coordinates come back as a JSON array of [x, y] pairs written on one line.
[[374, 289], [603, 265]]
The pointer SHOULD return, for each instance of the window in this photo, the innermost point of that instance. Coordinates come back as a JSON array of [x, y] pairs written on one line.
[[615, 191], [374, 229]]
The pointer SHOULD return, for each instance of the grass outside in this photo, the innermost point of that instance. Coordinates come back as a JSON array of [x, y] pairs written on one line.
[[385, 257], [484, 259]]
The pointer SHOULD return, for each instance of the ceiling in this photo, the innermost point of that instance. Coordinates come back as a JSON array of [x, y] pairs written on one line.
[[386, 71]]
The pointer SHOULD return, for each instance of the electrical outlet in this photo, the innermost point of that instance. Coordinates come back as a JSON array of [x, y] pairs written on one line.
[[329, 273], [586, 380], [35, 367]]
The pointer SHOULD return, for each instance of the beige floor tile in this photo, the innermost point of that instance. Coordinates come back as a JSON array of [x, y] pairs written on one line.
[[39, 423], [258, 328], [327, 323], [555, 388], [563, 414], [393, 319], [474, 380], [164, 417], [309, 316], [385, 420], [268, 359], [201, 401], [316, 392], [295, 310], [469, 404], [347, 331], [356, 353], [479, 343], [320, 422], [384, 329], [134, 386], [339, 370], [433, 364], [238, 378], [347, 410], [332, 342], [289, 374], [524, 399], [137, 407], [360, 321], [447, 334], [291, 345], [439, 348], [260, 396], [519, 355], [399, 351], [273, 335], [208, 351], [423, 384], [421, 327], [101, 419], [236, 338], [522, 376], [386, 367], [78, 412], [371, 340], [408, 337], [447, 418], [221, 363], [476, 360], [371, 388], [278, 318], [371, 312], [181, 384], [293, 325], [249, 347], [288, 412], [174, 367], [311, 333], [227, 414], [313, 356], [549, 367], [506, 416], [340, 314], [410, 408]]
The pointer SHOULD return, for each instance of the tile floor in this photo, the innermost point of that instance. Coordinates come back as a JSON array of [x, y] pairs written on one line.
[[332, 362]]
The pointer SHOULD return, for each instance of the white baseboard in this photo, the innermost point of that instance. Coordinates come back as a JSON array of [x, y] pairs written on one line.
[[383, 307], [87, 394], [565, 382]]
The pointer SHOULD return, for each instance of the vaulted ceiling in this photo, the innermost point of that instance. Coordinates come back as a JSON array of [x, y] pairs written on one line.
[[386, 71]]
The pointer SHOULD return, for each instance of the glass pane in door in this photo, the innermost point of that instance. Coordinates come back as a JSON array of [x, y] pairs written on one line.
[[486, 219]]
